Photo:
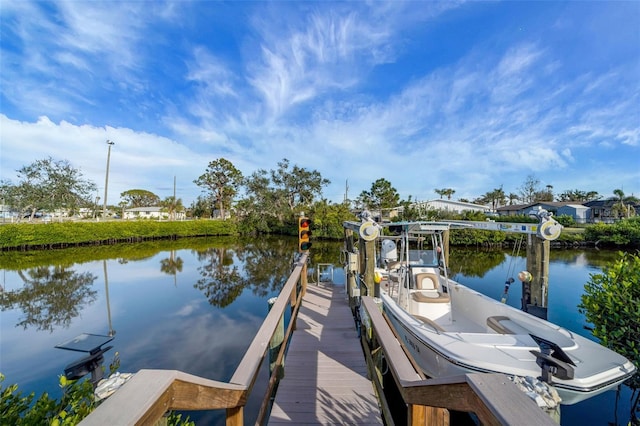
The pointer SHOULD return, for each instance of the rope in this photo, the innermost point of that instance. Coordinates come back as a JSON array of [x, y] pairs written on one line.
[[511, 269]]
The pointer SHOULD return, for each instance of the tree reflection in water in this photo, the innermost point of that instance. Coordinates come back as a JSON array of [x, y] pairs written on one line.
[[51, 296], [263, 270], [473, 262], [171, 265]]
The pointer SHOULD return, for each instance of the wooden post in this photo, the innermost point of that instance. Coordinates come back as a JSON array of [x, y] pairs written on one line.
[[367, 265], [538, 251], [421, 415], [351, 275], [276, 340], [293, 297], [235, 416], [303, 279], [445, 249]]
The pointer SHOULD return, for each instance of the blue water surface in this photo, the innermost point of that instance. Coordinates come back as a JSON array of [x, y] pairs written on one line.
[[202, 318]]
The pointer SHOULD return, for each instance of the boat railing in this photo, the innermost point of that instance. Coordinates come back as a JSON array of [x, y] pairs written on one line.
[[150, 394], [493, 398]]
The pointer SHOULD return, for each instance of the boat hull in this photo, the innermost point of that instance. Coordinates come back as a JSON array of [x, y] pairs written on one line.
[[443, 354]]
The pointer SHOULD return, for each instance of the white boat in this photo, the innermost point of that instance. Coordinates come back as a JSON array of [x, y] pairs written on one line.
[[451, 329]]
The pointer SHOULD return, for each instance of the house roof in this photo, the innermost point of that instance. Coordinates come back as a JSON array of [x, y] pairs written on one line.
[[455, 203], [144, 209], [576, 206], [538, 203]]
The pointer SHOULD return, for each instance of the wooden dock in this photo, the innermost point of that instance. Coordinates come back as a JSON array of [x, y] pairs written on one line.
[[325, 380]]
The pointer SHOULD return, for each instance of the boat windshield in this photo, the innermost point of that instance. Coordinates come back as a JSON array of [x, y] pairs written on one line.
[[423, 258]]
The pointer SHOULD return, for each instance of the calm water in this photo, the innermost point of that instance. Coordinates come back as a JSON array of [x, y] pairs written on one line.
[[195, 305]]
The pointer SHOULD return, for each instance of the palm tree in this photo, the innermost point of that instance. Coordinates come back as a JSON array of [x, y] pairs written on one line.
[[172, 205], [623, 205], [448, 192]]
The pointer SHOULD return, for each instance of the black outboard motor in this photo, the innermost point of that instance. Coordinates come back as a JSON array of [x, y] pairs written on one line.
[[553, 360]]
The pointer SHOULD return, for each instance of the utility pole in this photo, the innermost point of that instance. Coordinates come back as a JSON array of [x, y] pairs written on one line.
[[106, 180]]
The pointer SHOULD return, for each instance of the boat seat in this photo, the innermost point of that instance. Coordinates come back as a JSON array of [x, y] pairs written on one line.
[[427, 289], [504, 325], [393, 264], [430, 297], [426, 281]]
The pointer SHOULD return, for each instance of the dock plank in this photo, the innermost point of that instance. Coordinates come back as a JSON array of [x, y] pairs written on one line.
[[325, 375]]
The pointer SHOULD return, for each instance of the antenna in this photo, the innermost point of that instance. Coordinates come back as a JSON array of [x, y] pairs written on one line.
[[346, 190]]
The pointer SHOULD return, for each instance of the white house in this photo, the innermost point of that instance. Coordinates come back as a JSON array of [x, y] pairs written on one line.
[[150, 213], [577, 211], [450, 206]]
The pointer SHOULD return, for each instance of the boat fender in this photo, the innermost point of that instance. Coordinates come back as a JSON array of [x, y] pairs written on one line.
[[106, 387], [525, 276], [545, 395]]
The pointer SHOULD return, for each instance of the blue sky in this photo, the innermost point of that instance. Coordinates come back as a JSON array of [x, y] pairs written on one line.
[[464, 95]]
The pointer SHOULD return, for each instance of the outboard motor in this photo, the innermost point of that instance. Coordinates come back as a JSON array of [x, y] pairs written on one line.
[[388, 252], [553, 360]]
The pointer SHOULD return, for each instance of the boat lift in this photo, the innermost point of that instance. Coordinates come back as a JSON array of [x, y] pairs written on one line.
[[535, 280]]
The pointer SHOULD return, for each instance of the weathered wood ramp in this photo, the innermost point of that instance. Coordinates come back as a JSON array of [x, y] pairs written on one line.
[[325, 378]]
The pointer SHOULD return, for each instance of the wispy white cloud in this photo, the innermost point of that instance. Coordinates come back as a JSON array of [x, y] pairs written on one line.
[[211, 73], [337, 87], [136, 158]]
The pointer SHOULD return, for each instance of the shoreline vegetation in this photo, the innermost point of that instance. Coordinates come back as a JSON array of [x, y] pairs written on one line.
[[44, 236]]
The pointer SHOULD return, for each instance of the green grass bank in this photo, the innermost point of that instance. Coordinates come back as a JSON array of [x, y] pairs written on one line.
[[28, 236], [34, 236]]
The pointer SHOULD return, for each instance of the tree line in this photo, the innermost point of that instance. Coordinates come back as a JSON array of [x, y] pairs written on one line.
[[264, 201]]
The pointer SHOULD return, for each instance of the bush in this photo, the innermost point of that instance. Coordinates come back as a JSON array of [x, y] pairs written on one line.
[[566, 220], [611, 303], [77, 402], [469, 237], [625, 232]]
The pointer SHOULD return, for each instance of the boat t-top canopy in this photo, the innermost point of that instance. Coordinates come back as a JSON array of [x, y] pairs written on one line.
[[417, 227]]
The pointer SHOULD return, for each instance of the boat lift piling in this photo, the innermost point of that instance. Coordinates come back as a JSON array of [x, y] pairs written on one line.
[[361, 262], [538, 251]]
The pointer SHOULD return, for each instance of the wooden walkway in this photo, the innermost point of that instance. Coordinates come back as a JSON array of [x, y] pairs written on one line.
[[325, 378]]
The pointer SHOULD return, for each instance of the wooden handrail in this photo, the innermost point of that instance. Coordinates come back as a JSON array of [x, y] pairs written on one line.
[[276, 373], [492, 397], [149, 394], [246, 372]]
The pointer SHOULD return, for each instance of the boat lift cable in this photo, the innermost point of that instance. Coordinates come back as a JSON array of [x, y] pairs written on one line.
[[511, 269]]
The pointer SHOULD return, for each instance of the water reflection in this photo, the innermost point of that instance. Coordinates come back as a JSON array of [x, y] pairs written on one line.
[[264, 270], [221, 281], [204, 325], [172, 265], [112, 332], [474, 262], [51, 296]]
